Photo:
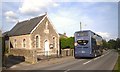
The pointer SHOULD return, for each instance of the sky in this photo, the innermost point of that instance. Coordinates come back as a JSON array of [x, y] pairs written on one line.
[[99, 16]]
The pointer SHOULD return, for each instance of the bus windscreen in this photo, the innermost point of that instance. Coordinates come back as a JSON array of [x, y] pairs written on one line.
[[82, 42]]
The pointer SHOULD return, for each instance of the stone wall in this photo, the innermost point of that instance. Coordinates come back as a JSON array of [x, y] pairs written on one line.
[[19, 41], [45, 34], [67, 52], [29, 54]]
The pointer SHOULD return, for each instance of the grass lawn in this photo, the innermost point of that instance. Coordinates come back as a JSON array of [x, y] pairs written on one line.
[[117, 66]]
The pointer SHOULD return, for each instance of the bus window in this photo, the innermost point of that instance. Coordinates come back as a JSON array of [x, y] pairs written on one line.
[[82, 42], [81, 34]]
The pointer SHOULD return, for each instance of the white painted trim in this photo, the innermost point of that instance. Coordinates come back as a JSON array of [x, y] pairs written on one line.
[[37, 25]]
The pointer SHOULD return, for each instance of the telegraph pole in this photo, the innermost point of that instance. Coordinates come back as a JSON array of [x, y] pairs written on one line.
[[80, 27]]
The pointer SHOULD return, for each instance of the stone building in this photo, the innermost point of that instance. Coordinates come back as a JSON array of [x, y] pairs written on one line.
[[34, 37]]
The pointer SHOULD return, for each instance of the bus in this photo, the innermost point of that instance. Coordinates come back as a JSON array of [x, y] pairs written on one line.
[[87, 44]]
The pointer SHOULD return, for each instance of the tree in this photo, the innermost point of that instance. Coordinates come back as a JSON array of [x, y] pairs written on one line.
[[112, 44], [118, 43], [63, 43], [67, 42], [105, 44], [70, 42]]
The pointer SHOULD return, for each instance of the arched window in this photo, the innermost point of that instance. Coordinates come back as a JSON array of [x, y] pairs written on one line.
[[37, 41], [24, 43], [54, 42]]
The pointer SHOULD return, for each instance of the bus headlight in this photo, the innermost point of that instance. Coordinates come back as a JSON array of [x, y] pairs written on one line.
[[75, 44]]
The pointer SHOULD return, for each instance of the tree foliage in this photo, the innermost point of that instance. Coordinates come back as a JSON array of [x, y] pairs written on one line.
[[112, 44], [67, 42]]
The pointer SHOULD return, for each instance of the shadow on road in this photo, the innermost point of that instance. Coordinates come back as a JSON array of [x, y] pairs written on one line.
[[84, 58], [11, 60]]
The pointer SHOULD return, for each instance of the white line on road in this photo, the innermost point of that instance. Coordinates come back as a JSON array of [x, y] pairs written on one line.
[[14, 66], [87, 62], [96, 58], [67, 70]]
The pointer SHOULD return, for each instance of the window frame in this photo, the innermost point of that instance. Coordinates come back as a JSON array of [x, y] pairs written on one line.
[[54, 41], [38, 41], [24, 43]]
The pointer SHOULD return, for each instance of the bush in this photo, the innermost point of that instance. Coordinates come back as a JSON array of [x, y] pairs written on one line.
[[67, 42]]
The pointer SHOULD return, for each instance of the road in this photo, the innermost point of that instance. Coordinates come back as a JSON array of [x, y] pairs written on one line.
[[104, 62]]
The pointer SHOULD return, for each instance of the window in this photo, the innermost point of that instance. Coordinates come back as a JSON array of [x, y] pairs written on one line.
[[24, 43], [37, 41], [54, 42], [82, 42], [80, 34], [15, 43]]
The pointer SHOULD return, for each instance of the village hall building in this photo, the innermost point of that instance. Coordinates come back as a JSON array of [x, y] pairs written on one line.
[[34, 37]]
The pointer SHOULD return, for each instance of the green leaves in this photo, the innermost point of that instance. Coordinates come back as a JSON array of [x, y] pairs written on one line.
[[112, 44], [67, 42]]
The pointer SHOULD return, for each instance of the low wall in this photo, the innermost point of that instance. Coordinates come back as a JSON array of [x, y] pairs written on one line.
[[67, 52], [30, 55]]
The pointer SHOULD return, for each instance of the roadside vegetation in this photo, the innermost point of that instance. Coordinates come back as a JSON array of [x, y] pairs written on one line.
[[111, 44], [67, 43], [114, 44]]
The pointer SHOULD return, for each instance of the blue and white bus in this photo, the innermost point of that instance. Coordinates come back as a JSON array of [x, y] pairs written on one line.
[[87, 44]]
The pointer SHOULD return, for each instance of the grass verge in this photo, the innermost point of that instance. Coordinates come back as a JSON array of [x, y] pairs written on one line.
[[117, 66]]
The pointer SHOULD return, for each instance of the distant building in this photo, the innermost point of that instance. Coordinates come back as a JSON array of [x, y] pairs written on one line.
[[63, 35], [34, 37]]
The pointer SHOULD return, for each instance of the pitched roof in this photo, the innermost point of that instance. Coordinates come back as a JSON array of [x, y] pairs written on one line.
[[25, 27]]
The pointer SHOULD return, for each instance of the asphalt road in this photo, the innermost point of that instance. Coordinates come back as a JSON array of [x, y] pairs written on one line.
[[104, 62]]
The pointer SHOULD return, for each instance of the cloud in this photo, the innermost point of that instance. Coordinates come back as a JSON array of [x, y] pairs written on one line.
[[69, 21], [105, 35], [10, 16], [87, 0], [37, 6]]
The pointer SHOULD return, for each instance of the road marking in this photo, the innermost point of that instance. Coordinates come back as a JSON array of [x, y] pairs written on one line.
[[96, 58], [13, 66], [87, 62], [102, 55], [67, 70]]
